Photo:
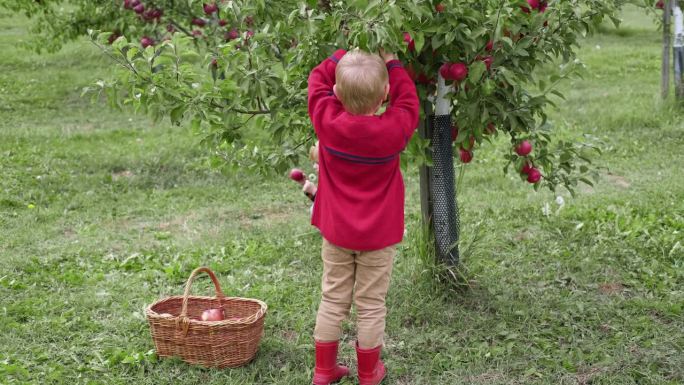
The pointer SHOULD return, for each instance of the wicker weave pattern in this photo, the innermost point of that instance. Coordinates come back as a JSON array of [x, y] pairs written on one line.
[[178, 331]]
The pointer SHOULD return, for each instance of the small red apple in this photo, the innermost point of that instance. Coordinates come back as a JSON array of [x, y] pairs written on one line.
[[223, 22], [210, 8], [127, 4], [444, 70], [440, 8], [212, 315], [424, 79], [454, 133], [526, 168], [660, 4], [199, 22], [232, 34], [465, 155], [146, 41], [542, 6], [297, 175], [490, 45], [113, 37], [458, 71], [250, 33], [411, 43], [487, 60], [524, 148], [534, 176], [139, 9]]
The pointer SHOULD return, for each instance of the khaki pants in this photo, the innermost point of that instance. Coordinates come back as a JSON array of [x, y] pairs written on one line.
[[366, 274]]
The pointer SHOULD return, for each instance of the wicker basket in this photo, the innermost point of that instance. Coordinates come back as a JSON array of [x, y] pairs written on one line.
[[178, 331]]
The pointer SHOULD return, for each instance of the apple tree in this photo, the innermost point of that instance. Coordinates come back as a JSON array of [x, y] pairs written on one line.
[[236, 71]]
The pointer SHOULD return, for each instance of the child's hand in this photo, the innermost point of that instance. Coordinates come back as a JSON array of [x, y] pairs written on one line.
[[309, 188], [387, 56]]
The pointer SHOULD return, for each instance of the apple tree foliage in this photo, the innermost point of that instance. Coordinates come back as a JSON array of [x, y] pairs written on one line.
[[238, 74]]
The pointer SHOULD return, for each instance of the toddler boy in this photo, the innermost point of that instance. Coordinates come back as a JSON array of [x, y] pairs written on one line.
[[360, 199]]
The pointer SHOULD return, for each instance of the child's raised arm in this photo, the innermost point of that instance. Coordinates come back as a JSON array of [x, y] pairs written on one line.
[[403, 95], [321, 82]]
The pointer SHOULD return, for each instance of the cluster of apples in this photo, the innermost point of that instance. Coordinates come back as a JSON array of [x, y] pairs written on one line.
[[524, 148], [539, 6], [149, 15], [211, 11]]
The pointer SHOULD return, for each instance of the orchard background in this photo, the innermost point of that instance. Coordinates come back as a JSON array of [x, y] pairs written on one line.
[[103, 211]]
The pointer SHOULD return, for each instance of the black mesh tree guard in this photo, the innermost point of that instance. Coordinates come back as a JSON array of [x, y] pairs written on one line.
[[445, 220], [437, 189]]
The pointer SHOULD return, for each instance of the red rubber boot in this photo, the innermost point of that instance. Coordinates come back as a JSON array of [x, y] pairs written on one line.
[[371, 369], [327, 370]]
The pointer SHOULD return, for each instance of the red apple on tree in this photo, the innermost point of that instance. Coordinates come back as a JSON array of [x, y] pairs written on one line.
[[533, 176], [458, 71], [465, 155], [297, 175], [490, 45], [232, 34], [454, 71], [487, 60], [146, 41], [524, 148], [526, 168], [210, 8], [660, 4], [223, 22], [411, 43], [199, 22], [440, 8], [139, 9]]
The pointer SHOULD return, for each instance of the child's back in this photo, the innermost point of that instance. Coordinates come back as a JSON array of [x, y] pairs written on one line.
[[360, 202]]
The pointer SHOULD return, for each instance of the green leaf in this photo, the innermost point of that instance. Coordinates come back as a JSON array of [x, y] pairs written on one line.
[[475, 71]]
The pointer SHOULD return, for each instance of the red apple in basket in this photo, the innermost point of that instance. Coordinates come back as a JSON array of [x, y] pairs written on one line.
[[212, 315]]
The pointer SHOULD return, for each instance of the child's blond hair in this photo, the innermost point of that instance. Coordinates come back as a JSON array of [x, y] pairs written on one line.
[[360, 79]]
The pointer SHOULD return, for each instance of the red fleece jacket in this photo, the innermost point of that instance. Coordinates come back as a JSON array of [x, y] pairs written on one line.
[[360, 198]]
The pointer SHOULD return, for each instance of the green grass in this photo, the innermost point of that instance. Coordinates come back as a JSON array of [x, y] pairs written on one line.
[[102, 213]]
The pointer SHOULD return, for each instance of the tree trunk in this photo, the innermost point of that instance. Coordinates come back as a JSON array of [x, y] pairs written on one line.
[[665, 83], [678, 48]]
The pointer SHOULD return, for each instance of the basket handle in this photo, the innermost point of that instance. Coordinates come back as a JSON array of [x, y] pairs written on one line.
[[217, 287]]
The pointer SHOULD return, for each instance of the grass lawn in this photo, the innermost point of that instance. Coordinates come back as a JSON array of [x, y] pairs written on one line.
[[103, 212]]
